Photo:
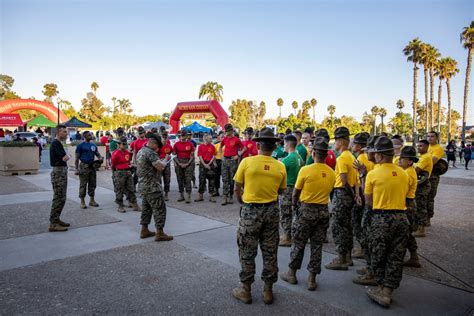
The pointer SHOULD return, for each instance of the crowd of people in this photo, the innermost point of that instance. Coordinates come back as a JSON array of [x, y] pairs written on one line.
[[381, 194]]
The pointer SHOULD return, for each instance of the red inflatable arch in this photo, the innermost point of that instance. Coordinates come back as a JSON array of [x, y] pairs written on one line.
[[45, 108], [212, 107]]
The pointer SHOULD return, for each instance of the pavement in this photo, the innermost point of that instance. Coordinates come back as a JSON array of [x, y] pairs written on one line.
[[102, 266]]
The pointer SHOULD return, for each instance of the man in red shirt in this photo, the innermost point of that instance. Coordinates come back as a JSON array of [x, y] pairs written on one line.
[[249, 144], [167, 149], [207, 166], [184, 151], [138, 143], [122, 176], [104, 140], [233, 149]]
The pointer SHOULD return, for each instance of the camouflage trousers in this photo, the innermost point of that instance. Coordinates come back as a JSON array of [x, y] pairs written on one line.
[[87, 180], [422, 192], [357, 214], [365, 236], [412, 246], [123, 185], [311, 222], [206, 175], [434, 182], [217, 176], [193, 172], [388, 240], [341, 228], [153, 204], [258, 225], [229, 168], [286, 214], [59, 183], [184, 175], [165, 176]]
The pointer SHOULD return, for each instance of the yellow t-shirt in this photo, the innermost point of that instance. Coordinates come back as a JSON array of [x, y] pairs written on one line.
[[315, 181], [344, 164], [436, 151], [396, 159], [388, 185], [412, 182], [363, 159], [425, 163], [261, 176], [218, 155]]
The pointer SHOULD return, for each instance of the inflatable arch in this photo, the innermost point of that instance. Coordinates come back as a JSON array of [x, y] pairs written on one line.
[[211, 106], [47, 109]]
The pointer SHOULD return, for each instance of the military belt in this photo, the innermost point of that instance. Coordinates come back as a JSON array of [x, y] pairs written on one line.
[[257, 205], [376, 211]]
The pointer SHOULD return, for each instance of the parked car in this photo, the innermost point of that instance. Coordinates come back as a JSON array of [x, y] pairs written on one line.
[[26, 135], [173, 139]]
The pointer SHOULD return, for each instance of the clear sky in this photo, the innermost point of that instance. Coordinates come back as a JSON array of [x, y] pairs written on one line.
[[157, 53]]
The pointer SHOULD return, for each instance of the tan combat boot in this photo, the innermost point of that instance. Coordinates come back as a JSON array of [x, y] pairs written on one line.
[[120, 209], [181, 197], [211, 198], [56, 228], [349, 261], [200, 198], [188, 198], [362, 271], [420, 232], [312, 281], [366, 279], [243, 293], [289, 276], [268, 293], [136, 207], [63, 224], [381, 295], [428, 222], [161, 236], [145, 233], [358, 254], [338, 263], [166, 196], [230, 199], [285, 241], [224, 200], [413, 261], [93, 203], [83, 203]]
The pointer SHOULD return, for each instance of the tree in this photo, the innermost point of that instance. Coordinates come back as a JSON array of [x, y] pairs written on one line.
[[401, 124], [375, 111], [212, 91], [314, 102], [450, 67], [331, 110], [92, 108], [279, 104], [260, 114], [413, 51], [400, 105], [50, 91], [294, 105], [305, 109], [467, 39], [6, 84], [94, 87], [67, 108], [429, 57], [382, 113]]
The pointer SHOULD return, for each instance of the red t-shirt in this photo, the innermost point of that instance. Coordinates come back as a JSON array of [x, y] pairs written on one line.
[[206, 151], [183, 149], [231, 145], [251, 148], [104, 140], [165, 150], [138, 144], [121, 160]]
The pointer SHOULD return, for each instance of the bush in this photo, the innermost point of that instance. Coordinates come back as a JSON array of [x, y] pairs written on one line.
[[17, 144], [77, 142]]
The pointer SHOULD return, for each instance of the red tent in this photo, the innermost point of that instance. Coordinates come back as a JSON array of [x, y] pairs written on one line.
[[10, 119]]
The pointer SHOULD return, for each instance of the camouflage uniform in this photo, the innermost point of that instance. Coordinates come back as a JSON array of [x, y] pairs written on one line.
[[422, 192], [365, 236], [258, 224], [229, 168], [434, 182], [123, 185], [150, 188], [59, 182], [411, 212], [388, 239], [342, 224], [209, 175], [286, 216], [166, 176], [311, 222], [87, 180], [357, 214], [184, 175]]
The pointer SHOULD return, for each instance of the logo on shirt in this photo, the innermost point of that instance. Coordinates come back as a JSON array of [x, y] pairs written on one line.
[[266, 167], [394, 173], [127, 157], [188, 147], [232, 142], [323, 174], [209, 150], [167, 150], [249, 145], [93, 148]]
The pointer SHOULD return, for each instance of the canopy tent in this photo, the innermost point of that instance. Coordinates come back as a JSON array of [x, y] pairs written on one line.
[[197, 128], [75, 122], [158, 125], [41, 121], [10, 120]]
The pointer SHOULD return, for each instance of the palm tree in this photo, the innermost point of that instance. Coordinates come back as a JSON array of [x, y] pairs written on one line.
[[375, 111], [305, 107], [382, 113], [114, 100], [279, 104], [313, 102], [331, 111], [467, 39], [451, 69], [294, 105], [50, 91], [429, 57], [94, 87], [412, 51], [400, 105], [212, 91]]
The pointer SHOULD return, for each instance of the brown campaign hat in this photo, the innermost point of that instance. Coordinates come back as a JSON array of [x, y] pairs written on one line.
[[266, 134], [361, 139], [341, 132], [322, 132], [383, 145], [320, 143], [409, 152], [371, 142]]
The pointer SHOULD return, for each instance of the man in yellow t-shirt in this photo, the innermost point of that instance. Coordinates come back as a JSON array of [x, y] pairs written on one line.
[[423, 168], [313, 186], [343, 201], [437, 153], [386, 190], [261, 178], [407, 158]]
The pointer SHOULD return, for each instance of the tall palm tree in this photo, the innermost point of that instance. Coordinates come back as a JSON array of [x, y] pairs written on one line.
[[313, 102], [114, 100], [305, 107], [400, 105], [94, 87], [279, 104], [440, 71], [429, 57], [467, 39], [294, 105], [331, 111], [212, 91], [375, 111], [382, 113], [50, 91], [412, 51], [451, 69]]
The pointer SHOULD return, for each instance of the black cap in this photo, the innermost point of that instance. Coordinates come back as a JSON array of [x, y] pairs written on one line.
[[409, 152], [320, 143], [122, 140], [228, 127], [248, 131], [141, 130], [371, 142], [361, 139], [383, 145], [341, 132]]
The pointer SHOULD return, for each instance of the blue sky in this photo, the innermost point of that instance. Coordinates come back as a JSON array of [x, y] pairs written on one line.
[[157, 53]]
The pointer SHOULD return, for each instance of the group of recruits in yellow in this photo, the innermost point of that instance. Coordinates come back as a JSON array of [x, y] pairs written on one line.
[[386, 173]]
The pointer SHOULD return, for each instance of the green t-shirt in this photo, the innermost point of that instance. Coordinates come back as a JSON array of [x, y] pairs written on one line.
[[113, 145], [279, 152], [302, 151], [293, 164]]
